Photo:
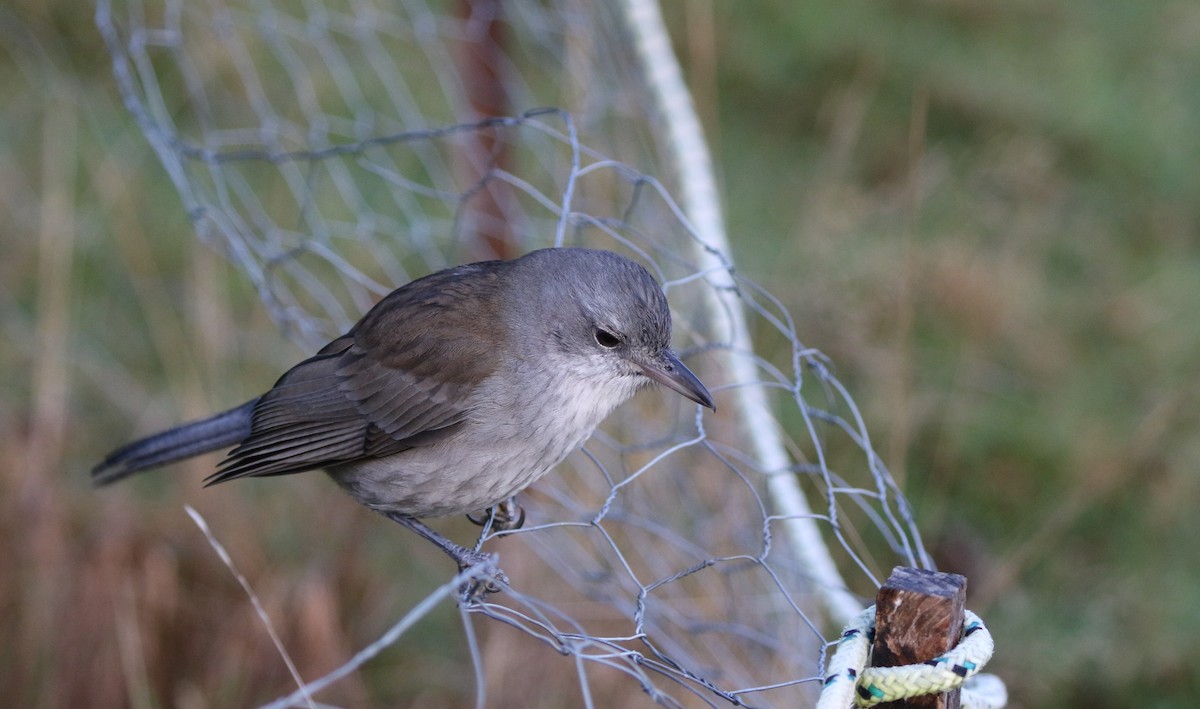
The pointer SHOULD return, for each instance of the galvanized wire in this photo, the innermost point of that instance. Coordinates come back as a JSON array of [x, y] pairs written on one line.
[[331, 151]]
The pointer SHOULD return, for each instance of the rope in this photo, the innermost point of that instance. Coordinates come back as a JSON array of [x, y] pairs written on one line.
[[850, 683]]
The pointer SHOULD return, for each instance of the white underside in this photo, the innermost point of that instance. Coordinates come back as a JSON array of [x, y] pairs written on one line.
[[516, 434]]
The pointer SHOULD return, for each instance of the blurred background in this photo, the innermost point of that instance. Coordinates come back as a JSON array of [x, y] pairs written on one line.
[[986, 214]]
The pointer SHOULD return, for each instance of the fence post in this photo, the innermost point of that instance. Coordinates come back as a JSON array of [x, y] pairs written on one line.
[[918, 616], [487, 216]]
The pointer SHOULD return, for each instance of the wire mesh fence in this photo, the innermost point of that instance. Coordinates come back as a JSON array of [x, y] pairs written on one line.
[[334, 150]]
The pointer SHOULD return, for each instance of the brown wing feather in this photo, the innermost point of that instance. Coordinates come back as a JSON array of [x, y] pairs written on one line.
[[402, 377]]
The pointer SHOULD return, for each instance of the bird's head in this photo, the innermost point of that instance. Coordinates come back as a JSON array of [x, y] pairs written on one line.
[[606, 313]]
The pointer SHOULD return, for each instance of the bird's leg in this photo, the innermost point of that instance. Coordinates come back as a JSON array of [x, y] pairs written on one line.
[[464, 557], [505, 517]]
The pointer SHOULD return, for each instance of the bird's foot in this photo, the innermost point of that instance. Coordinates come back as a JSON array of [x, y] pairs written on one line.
[[488, 578], [504, 517]]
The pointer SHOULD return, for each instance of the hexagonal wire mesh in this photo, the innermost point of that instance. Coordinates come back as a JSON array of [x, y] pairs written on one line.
[[333, 150]]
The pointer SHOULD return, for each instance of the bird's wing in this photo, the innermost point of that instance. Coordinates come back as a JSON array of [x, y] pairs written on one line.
[[402, 377]]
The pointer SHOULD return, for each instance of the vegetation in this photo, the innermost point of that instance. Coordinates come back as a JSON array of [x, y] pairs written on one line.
[[990, 219], [987, 214]]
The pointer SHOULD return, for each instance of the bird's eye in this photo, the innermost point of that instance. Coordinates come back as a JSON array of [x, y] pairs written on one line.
[[604, 338]]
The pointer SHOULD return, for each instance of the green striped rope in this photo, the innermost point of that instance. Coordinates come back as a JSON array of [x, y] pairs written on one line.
[[850, 683]]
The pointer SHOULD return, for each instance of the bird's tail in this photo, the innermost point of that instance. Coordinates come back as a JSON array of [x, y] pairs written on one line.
[[191, 439]]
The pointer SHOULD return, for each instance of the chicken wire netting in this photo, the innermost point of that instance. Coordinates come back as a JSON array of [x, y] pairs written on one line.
[[334, 150]]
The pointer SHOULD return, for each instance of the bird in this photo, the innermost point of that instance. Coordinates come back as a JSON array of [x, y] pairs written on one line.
[[453, 393]]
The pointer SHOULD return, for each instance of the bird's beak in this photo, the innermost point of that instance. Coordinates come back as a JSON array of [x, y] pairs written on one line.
[[666, 369]]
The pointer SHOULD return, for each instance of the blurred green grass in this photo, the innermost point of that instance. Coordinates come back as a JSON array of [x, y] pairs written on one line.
[[990, 219], [988, 214]]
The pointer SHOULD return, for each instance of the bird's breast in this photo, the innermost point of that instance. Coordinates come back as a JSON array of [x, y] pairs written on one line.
[[522, 423]]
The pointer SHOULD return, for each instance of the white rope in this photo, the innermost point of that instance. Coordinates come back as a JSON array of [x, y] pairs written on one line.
[[702, 205], [850, 683]]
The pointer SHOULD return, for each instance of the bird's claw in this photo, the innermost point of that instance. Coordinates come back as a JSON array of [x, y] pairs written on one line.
[[487, 581], [478, 590], [504, 517]]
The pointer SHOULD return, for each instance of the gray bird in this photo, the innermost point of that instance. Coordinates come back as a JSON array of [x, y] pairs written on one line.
[[454, 392]]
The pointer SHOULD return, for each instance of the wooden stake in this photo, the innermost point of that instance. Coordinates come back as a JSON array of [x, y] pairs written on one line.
[[481, 61], [918, 616]]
